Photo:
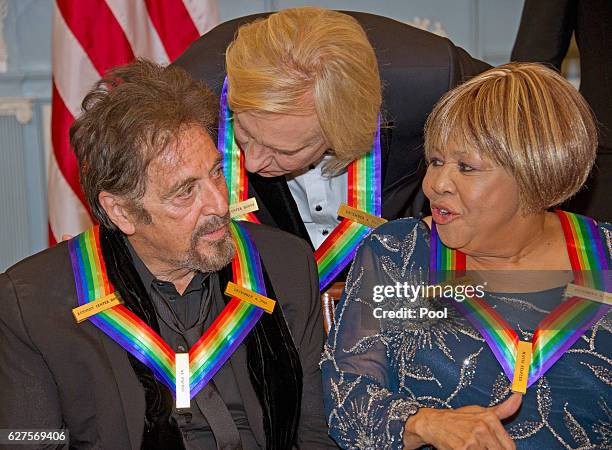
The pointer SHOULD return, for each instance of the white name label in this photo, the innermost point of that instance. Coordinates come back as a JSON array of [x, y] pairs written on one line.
[[183, 397], [588, 293], [245, 207]]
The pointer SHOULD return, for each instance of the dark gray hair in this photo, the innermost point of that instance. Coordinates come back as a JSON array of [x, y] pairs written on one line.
[[129, 118]]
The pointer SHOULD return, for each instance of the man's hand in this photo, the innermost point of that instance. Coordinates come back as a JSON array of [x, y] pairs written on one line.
[[66, 237], [469, 427]]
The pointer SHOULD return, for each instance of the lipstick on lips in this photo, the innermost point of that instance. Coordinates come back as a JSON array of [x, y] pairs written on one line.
[[442, 215]]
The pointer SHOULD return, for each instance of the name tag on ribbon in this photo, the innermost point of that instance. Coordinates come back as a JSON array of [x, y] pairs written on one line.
[[89, 309], [359, 216], [245, 207], [265, 303], [183, 395], [521, 368], [575, 290]]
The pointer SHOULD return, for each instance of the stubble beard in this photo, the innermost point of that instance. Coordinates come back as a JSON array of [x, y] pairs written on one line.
[[217, 254]]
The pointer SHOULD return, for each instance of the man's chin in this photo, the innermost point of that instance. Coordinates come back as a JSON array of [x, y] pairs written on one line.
[[211, 256]]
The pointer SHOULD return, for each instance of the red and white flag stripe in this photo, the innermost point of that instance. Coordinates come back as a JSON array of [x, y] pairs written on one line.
[[89, 38]]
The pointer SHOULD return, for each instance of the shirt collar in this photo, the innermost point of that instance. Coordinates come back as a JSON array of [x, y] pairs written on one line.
[[148, 278]]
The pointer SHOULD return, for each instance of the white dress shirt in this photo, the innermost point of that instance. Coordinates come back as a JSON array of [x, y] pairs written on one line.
[[318, 198]]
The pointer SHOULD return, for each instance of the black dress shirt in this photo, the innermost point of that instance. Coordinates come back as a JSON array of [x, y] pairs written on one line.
[[182, 321]]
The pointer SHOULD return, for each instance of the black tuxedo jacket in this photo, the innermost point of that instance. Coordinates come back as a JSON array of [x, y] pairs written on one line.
[[55, 373], [416, 69]]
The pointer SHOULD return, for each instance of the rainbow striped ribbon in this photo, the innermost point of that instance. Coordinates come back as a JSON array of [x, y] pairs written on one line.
[[217, 343], [364, 193], [563, 326], [233, 159]]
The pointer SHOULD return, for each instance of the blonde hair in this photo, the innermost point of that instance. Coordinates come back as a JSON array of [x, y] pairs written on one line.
[[529, 120], [301, 58]]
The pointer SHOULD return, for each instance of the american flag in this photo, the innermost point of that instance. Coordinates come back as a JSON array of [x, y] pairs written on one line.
[[89, 38]]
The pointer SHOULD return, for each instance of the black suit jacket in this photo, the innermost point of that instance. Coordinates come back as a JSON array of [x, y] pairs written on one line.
[[416, 68], [544, 36], [55, 373]]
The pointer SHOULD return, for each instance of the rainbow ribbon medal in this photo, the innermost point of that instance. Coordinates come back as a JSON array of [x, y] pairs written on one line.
[[217, 343], [563, 326], [364, 193], [233, 159]]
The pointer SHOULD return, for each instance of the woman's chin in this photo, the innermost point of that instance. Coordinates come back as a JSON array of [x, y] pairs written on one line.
[[451, 238]]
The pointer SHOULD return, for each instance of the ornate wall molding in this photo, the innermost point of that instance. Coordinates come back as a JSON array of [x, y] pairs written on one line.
[[20, 107], [3, 51]]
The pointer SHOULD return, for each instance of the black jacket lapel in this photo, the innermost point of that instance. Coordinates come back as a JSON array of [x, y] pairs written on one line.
[[275, 372], [130, 391]]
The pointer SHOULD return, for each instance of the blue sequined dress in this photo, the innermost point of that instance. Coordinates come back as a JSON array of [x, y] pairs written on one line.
[[379, 371]]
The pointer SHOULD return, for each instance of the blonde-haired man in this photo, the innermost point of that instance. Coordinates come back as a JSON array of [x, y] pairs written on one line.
[[307, 86]]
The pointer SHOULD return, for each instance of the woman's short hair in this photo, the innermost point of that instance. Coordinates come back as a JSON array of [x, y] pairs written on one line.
[[129, 118], [528, 119], [301, 58]]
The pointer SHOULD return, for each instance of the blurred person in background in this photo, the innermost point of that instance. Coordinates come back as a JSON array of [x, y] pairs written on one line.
[[544, 36]]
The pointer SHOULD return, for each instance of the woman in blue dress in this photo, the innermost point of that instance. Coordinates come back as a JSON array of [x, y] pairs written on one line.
[[405, 370]]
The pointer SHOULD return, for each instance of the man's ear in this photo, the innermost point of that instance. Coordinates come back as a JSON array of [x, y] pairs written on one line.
[[117, 211]]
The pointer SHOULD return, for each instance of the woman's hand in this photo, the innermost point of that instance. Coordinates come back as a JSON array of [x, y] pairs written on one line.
[[469, 427]]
